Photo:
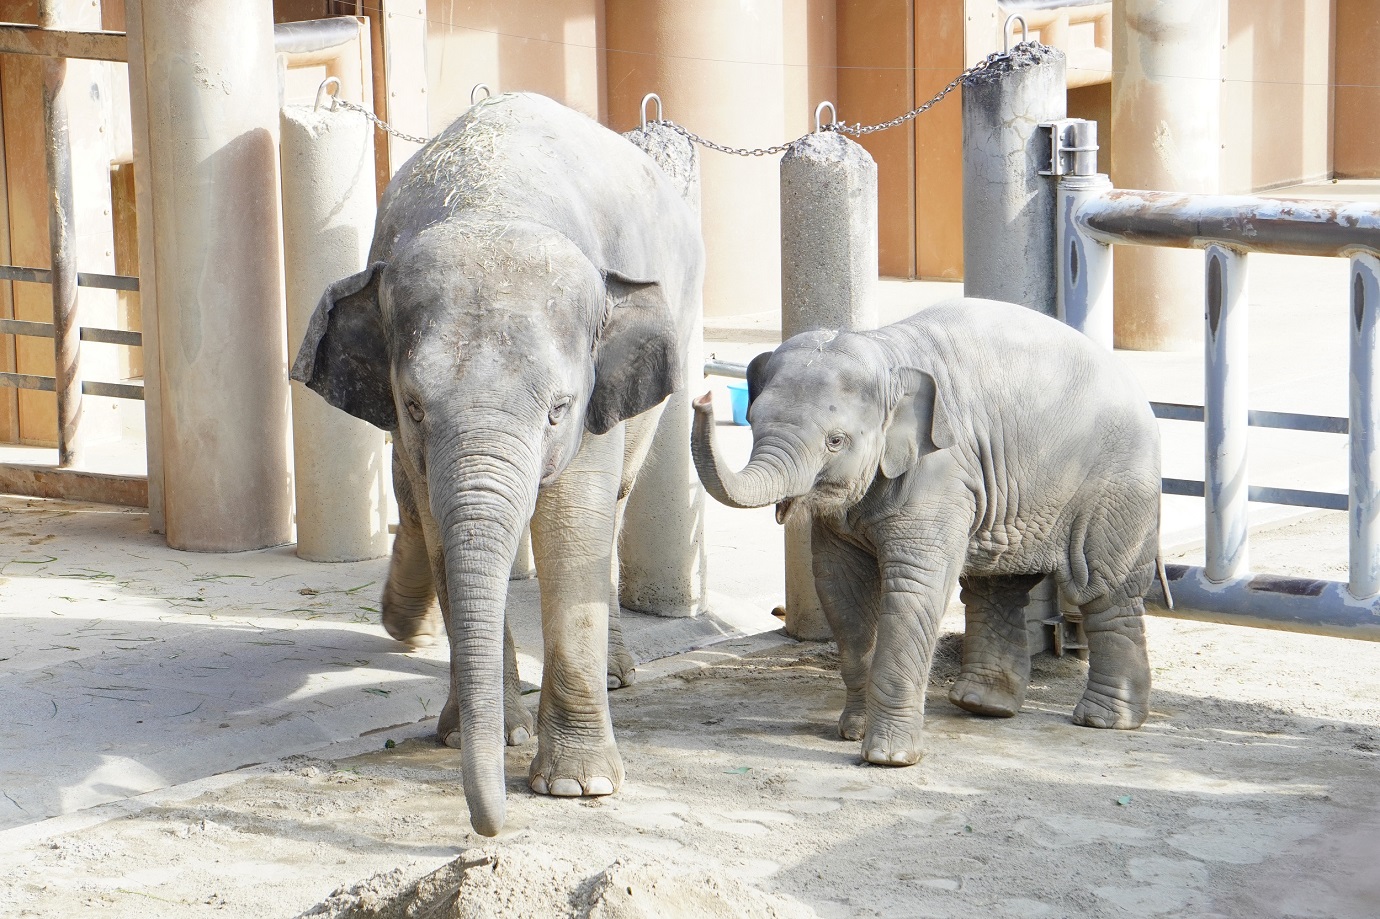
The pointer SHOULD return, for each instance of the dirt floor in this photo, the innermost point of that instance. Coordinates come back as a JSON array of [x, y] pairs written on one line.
[[1252, 791]]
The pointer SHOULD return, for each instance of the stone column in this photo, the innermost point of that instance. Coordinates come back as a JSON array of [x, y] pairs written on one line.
[[339, 463], [828, 281], [1008, 207], [207, 80], [1166, 110]]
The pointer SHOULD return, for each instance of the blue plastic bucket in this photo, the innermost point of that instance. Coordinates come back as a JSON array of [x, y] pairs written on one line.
[[738, 392]]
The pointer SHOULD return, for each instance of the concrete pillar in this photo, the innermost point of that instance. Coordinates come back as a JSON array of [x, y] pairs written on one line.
[[339, 464], [661, 552], [1008, 207], [717, 65], [1166, 110], [209, 88], [828, 281]]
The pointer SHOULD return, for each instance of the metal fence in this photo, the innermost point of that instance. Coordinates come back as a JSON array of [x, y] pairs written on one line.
[[1091, 218]]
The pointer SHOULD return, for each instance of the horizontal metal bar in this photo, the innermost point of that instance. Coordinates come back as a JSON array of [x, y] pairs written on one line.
[[1263, 494], [88, 333], [84, 278], [717, 368], [314, 35], [112, 390], [1268, 601], [1288, 421], [18, 38], [1245, 223], [28, 381], [73, 485], [113, 336]]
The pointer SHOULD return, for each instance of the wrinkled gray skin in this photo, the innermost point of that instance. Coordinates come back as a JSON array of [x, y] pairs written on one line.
[[976, 442], [532, 285]]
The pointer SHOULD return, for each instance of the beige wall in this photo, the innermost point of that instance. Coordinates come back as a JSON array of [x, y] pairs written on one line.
[[1276, 93], [547, 46]]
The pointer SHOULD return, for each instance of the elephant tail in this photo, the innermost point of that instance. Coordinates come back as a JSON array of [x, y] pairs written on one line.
[[1164, 581]]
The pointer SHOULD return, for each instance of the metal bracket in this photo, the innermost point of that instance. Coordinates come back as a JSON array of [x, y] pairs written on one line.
[[1069, 636], [1072, 145]]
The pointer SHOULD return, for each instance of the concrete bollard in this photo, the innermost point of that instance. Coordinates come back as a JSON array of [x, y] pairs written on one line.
[[339, 462], [209, 83], [661, 550], [1009, 248], [828, 281]]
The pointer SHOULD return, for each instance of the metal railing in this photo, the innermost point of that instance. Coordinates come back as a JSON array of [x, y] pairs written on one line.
[[1091, 218]]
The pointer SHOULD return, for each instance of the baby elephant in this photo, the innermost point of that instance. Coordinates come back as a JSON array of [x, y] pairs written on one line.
[[977, 442]]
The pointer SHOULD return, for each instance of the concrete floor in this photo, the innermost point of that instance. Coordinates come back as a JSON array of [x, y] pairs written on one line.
[[130, 667]]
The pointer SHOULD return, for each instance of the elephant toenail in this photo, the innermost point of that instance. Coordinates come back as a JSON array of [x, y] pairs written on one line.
[[518, 737], [599, 785], [538, 784], [614, 682], [566, 788], [452, 740], [420, 641]]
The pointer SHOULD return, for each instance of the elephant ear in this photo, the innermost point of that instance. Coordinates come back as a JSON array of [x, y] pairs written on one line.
[[757, 375], [915, 423], [344, 355], [638, 360]]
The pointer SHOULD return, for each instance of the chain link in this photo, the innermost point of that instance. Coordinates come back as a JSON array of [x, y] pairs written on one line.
[[856, 130], [379, 122]]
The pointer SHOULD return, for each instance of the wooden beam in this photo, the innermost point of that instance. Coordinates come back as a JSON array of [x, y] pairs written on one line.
[[92, 46]]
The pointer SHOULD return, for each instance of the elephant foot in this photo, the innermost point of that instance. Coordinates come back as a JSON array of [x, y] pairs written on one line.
[[622, 670], [892, 746], [415, 624], [518, 724], [1106, 710], [986, 695], [853, 721], [576, 772]]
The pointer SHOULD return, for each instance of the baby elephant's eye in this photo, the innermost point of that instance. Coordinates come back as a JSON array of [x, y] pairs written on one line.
[[558, 410], [414, 409], [836, 441]]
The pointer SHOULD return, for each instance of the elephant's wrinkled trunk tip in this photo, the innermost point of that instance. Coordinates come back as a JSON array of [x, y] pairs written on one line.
[[705, 403], [756, 486]]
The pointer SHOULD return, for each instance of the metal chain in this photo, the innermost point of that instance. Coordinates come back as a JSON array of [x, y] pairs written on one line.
[[856, 130], [378, 122]]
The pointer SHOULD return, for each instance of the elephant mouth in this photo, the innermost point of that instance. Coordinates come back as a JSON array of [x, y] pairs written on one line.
[[783, 510]]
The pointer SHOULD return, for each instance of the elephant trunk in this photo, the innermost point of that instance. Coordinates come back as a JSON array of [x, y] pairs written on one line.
[[482, 494], [771, 475]]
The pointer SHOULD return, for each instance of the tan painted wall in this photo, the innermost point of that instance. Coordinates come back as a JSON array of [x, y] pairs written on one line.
[[1356, 120], [1276, 93], [546, 46]]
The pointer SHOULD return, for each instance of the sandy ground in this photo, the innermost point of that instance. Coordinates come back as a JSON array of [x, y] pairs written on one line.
[[1251, 792]]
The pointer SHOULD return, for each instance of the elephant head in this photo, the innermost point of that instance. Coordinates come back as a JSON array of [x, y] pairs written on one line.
[[488, 349], [828, 414]]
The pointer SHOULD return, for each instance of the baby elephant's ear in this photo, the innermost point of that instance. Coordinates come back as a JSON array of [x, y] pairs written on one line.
[[638, 359], [915, 423], [757, 375], [344, 354]]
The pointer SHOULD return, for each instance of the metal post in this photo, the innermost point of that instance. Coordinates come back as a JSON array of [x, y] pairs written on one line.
[[1364, 539], [1085, 264], [62, 238], [1226, 414]]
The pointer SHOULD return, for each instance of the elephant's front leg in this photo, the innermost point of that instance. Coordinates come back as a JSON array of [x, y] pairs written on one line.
[[572, 539], [849, 588], [996, 653], [410, 611], [920, 563]]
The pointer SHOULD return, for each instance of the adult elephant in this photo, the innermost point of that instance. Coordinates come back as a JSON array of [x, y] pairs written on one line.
[[527, 308]]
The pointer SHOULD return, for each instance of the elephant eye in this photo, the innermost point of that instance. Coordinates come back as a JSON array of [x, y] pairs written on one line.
[[836, 441], [415, 410], [558, 410]]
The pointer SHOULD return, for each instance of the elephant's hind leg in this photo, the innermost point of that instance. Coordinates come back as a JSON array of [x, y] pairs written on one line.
[[1118, 691], [996, 657], [410, 611]]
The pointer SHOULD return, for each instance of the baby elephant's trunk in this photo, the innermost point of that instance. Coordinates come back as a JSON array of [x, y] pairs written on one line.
[[766, 479]]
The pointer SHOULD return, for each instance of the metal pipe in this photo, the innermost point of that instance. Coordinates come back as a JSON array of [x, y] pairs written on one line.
[[1267, 601], [1282, 226], [62, 237], [315, 35], [1085, 263], [84, 278], [1364, 536], [717, 368], [1226, 411]]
